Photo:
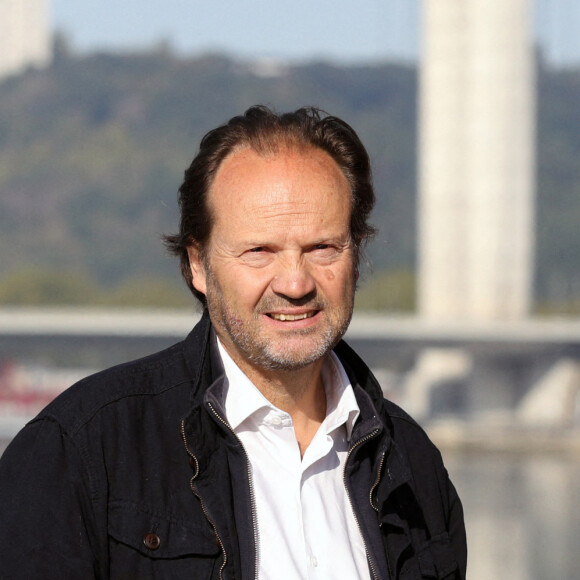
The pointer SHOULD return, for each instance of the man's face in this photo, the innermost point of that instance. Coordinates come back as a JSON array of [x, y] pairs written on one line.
[[278, 270]]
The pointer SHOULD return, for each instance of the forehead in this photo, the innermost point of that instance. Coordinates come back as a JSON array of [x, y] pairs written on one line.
[[289, 180]]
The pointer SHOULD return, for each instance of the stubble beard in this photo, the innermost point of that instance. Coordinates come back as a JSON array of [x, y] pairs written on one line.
[[276, 355]]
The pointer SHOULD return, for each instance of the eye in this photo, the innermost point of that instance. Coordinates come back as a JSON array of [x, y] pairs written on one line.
[[324, 248], [324, 251], [257, 256]]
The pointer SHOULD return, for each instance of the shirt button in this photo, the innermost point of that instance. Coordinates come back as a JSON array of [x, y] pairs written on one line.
[[314, 561], [276, 420], [152, 541]]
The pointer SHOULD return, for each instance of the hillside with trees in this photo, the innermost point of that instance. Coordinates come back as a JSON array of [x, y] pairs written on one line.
[[92, 151]]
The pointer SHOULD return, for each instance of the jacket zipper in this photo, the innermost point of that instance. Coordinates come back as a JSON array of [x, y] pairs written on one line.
[[379, 473], [252, 493], [369, 555], [376, 508], [203, 508]]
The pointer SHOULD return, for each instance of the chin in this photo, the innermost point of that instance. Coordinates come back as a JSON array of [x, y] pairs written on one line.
[[293, 359]]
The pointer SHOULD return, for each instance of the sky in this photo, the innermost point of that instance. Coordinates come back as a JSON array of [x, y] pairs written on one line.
[[342, 30], [296, 30]]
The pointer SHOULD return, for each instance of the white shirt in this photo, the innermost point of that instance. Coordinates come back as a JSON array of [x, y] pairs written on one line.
[[306, 526]]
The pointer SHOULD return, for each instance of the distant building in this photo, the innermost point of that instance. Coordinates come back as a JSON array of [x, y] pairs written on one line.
[[25, 35]]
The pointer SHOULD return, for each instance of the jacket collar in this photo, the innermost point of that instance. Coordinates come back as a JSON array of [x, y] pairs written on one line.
[[197, 352]]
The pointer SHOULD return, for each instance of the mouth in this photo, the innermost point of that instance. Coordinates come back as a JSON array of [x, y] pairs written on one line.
[[291, 317]]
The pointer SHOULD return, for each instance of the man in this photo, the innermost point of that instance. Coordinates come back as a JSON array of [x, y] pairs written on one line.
[[252, 449]]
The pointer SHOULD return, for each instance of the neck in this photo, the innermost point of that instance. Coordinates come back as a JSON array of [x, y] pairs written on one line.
[[300, 393]]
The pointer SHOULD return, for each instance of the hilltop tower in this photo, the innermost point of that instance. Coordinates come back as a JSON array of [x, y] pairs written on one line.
[[25, 35], [476, 159]]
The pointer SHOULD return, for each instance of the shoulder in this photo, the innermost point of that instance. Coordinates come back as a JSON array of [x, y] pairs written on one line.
[[411, 437], [148, 377], [402, 421], [165, 377]]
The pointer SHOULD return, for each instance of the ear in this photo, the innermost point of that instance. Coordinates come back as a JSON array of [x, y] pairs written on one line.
[[197, 266]]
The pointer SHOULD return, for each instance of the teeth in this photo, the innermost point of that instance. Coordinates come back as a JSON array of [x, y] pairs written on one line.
[[291, 317]]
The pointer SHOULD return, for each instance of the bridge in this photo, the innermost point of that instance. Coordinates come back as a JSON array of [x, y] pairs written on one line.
[[529, 367], [67, 331], [136, 323]]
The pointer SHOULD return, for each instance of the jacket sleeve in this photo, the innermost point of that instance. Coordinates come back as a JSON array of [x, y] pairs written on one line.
[[45, 507], [456, 528]]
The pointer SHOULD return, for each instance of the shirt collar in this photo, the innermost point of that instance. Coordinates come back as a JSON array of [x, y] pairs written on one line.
[[341, 405], [243, 399]]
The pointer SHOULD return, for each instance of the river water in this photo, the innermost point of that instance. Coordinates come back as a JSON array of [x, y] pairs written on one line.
[[521, 513]]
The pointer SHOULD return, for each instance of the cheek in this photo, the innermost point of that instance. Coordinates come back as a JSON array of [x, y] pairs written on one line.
[[337, 282], [248, 285]]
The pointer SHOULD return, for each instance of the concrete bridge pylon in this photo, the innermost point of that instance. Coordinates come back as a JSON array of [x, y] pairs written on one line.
[[476, 192], [476, 160]]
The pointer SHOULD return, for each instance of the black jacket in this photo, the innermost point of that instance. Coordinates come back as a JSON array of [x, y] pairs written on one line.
[[134, 473]]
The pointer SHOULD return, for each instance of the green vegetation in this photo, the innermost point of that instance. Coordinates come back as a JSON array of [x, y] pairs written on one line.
[[390, 290], [55, 288], [92, 152]]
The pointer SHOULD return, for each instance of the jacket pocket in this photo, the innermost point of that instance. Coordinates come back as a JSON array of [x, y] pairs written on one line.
[[436, 559], [144, 543]]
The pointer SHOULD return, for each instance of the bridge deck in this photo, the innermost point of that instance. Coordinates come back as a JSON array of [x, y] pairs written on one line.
[[177, 323]]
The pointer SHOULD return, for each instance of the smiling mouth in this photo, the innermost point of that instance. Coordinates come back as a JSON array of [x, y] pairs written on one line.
[[292, 317]]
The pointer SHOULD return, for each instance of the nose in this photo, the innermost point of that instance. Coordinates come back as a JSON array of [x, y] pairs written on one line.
[[293, 279]]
